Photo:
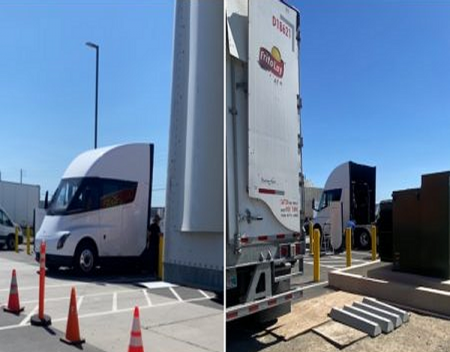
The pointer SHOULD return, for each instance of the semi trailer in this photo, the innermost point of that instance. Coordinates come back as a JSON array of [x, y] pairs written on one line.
[[20, 200], [193, 234], [348, 200], [264, 244]]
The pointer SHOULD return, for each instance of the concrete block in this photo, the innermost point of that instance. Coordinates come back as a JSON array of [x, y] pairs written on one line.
[[355, 321], [386, 325], [374, 303], [396, 319]]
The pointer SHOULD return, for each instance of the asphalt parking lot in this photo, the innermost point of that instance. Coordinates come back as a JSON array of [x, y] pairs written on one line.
[[328, 262], [173, 318]]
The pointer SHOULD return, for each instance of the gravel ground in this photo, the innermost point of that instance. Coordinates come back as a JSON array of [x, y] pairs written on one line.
[[422, 333]]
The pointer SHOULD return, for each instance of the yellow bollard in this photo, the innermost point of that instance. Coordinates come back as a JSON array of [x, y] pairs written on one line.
[[28, 240], [348, 245], [16, 240], [311, 237], [374, 242], [316, 255], [160, 257]]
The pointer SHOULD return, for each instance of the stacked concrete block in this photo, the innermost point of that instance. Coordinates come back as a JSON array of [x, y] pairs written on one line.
[[371, 316]]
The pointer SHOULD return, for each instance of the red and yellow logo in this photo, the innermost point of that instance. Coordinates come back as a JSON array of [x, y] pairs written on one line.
[[271, 61]]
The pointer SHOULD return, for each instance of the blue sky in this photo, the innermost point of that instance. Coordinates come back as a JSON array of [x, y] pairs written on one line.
[[47, 83], [375, 82]]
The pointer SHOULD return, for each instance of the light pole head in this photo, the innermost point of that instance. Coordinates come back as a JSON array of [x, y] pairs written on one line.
[[92, 45]]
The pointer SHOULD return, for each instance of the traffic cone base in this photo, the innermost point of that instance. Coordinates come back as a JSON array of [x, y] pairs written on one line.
[[73, 343], [14, 311]]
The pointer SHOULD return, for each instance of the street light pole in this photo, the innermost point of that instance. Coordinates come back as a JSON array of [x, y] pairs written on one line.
[[97, 52]]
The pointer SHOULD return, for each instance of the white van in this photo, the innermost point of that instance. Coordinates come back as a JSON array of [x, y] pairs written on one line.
[[8, 230], [100, 212]]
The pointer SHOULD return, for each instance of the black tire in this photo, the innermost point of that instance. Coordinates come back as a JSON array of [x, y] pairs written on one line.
[[85, 259], [11, 242], [363, 240]]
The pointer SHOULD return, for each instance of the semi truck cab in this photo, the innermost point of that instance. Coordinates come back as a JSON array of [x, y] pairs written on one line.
[[348, 199]]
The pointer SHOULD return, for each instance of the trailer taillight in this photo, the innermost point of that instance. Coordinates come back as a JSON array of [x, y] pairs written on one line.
[[298, 248], [284, 250]]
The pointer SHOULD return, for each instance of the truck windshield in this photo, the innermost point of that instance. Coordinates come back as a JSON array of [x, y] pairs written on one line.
[[63, 196], [328, 196], [77, 195]]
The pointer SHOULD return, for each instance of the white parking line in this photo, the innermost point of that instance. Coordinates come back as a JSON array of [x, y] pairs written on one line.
[[175, 294], [107, 293], [28, 317], [333, 262], [204, 294], [80, 301], [329, 266], [76, 284], [314, 285], [147, 298], [17, 267], [105, 313], [114, 302]]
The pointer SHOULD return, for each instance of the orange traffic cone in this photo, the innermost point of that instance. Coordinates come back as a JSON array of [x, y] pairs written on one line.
[[136, 337], [13, 301], [72, 329]]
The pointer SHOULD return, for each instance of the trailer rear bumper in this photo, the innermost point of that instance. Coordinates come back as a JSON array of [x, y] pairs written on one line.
[[246, 309]]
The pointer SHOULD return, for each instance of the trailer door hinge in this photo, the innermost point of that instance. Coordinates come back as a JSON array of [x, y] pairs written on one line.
[[243, 86], [233, 111], [299, 102]]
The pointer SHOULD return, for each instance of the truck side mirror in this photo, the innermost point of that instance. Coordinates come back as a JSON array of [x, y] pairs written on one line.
[[46, 200], [313, 205]]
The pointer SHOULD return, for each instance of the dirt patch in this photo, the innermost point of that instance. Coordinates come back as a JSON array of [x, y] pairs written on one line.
[[421, 333]]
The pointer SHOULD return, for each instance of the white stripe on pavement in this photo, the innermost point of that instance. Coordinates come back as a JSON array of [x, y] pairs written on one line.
[[114, 302], [175, 294], [28, 317], [147, 298]]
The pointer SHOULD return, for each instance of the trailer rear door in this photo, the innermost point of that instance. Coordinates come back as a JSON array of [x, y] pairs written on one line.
[[274, 126]]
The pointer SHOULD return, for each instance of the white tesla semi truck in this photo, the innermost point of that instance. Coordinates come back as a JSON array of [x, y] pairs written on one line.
[[348, 199], [100, 212]]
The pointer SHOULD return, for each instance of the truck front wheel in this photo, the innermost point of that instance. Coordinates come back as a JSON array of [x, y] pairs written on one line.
[[85, 258]]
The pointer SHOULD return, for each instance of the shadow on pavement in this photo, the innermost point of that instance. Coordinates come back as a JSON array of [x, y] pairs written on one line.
[[245, 335]]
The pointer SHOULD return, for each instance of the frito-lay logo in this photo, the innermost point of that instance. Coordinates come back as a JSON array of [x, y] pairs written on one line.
[[271, 61]]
